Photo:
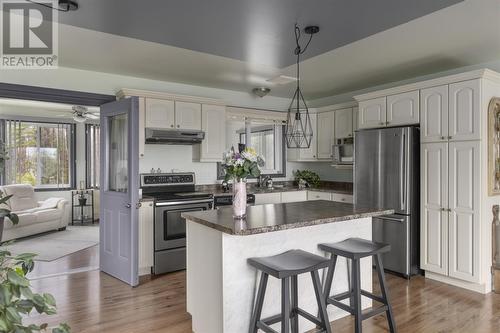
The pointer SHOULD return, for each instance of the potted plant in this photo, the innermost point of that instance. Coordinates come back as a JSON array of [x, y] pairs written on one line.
[[18, 300], [5, 212], [238, 167], [306, 178]]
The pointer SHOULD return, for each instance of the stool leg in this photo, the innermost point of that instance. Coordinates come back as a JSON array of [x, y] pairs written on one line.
[[349, 281], [258, 303], [356, 279], [295, 300], [321, 302], [329, 278], [285, 305], [383, 288]]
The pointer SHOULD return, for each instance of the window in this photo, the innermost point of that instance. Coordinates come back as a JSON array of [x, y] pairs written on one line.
[[266, 137], [92, 152], [40, 154]]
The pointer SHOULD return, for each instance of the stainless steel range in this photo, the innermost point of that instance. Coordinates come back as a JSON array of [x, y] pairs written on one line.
[[173, 193]]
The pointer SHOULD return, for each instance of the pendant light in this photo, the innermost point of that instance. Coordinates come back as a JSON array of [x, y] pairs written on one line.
[[298, 129]]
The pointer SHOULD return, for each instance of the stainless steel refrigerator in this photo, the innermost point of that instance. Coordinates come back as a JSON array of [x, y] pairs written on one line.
[[386, 175]]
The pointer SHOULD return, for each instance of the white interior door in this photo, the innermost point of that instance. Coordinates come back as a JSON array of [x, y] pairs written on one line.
[[120, 189]]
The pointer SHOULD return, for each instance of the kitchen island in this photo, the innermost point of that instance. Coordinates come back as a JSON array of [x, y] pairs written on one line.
[[221, 285]]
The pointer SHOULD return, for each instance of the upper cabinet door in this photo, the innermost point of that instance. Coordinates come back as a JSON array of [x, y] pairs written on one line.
[[159, 113], [465, 116], [325, 134], [372, 113], [434, 207], [464, 203], [434, 114], [403, 109], [188, 116], [310, 154], [213, 123], [343, 123], [355, 117]]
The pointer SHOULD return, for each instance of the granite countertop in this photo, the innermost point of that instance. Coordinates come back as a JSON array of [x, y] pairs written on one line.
[[274, 217], [216, 190]]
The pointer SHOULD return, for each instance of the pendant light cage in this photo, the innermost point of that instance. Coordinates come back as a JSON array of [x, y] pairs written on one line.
[[298, 129]]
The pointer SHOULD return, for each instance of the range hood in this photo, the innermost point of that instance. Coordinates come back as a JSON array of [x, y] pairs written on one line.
[[173, 137]]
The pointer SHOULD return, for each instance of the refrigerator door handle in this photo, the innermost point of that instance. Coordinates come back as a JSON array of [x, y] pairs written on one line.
[[395, 219], [402, 180]]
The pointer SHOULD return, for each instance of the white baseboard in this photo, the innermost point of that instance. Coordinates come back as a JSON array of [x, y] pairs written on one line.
[[479, 288]]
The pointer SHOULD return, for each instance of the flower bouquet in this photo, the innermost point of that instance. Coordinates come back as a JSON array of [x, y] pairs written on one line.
[[238, 167]]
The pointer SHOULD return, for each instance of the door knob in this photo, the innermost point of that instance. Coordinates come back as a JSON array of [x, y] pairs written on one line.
[[442, 138], [128, 205]]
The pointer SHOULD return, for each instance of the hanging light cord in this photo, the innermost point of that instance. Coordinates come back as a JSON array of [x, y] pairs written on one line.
[[51, 7], [298, 49]]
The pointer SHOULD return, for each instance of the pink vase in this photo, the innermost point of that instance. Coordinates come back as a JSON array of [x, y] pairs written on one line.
[[239, 199]]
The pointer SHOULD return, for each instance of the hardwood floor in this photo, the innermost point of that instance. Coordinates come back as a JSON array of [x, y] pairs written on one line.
[[95, 302]]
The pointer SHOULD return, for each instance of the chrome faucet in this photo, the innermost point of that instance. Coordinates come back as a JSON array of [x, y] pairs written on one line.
[[265, 181]]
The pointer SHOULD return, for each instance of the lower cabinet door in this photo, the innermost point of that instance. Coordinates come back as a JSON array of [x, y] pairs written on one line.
[[317, 195], [294, 196], [464, 219], [434, 207], [267, 198]]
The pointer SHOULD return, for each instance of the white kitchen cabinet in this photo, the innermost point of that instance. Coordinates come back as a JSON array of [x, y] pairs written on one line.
[[372, 113], [213, 123], [306, 154], [267, 198], [318, 195], [325, 134], [464, 110], [187, 115], [464, 219], [434, 114], [146, 241], [355, 119], [160, 113], [403, 109], [450, 221], [434, 207], [339, 197], [294, 196], [343, 123]]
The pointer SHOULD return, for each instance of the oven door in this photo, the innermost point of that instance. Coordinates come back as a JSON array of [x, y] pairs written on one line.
[[170, 227]]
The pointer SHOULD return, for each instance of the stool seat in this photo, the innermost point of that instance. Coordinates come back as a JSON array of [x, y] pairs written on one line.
[[293, 262], [355, 248]]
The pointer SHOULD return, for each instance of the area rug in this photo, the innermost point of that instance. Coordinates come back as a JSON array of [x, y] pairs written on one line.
[[57, 244]]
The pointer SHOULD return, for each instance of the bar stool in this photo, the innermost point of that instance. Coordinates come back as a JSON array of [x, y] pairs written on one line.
[[286, 267], [355, 249]]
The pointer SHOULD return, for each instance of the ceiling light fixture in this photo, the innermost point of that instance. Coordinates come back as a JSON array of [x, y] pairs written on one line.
[[298, 129], [62, 5], [261, 91]]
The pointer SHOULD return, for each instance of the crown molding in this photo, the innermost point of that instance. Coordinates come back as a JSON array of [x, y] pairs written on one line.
[[471, 75], [126, 92], [338, 106]]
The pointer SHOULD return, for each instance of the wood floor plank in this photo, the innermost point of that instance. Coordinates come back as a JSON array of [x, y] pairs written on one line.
[[92, 302]]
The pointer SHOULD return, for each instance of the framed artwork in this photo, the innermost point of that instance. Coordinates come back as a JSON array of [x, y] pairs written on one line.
[[494, 146]]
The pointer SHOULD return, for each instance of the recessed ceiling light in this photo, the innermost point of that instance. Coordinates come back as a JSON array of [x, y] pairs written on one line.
[[282, 79]]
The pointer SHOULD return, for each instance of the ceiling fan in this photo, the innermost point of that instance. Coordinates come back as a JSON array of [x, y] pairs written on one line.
[[81, 114]]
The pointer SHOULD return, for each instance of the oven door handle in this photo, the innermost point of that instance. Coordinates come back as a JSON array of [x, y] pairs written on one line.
[[176, 203]]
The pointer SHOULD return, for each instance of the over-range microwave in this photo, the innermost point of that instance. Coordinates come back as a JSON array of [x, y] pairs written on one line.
[[343, 152]]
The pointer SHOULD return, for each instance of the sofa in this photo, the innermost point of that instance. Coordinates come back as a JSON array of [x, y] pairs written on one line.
[[34, 217]]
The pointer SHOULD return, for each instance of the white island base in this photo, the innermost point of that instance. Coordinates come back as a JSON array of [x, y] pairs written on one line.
[[221, 285]]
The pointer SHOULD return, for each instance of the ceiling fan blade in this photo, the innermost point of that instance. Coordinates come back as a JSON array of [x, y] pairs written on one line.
[[91, 115]]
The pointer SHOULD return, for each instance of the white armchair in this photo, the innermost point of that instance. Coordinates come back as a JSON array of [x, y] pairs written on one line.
[[34, 217]]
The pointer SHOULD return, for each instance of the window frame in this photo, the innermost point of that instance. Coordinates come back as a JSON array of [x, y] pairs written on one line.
[[282, 174], [72, 151], [87, 159]]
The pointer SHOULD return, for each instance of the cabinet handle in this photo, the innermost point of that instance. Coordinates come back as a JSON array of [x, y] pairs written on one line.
[[449, 138], [382, 123], [449, 209], [387, 122], [443, 209], [178, 126], [349, 134], [172, 125], [443, 138]]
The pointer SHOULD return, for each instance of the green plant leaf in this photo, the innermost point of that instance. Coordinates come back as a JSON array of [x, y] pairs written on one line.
[[3, 325], [12, 315], [17, 280], [26, 292], [5, 295], [25, 256], [49, 299], [25, 306]]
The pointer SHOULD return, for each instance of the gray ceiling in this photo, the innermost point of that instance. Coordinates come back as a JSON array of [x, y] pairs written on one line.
[[255, 31]]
